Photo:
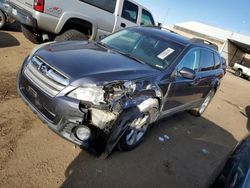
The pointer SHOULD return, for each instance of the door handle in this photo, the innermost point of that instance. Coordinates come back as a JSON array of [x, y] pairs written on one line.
[[123, 25]]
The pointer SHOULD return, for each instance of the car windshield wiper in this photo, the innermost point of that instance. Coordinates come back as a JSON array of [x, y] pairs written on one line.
[[123, 53], [131, 57]]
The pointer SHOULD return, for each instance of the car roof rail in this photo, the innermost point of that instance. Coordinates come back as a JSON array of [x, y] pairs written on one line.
[[206, 42], [159, 26]]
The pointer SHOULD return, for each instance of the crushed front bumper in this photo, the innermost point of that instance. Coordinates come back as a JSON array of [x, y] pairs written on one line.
[[60, 113]]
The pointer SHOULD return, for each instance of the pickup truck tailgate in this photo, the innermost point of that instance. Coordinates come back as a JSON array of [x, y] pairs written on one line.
[[27, 3]]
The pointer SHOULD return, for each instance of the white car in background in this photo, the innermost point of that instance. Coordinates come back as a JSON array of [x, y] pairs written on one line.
[[242, 70]]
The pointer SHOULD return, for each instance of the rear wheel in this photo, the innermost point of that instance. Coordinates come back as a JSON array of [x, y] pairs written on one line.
[[29, 35], [2, 19], [204, 104], [238, 73], [71, 35]]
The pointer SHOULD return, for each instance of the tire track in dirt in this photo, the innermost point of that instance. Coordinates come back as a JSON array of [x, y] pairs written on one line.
[[7, 86], [11, 129]]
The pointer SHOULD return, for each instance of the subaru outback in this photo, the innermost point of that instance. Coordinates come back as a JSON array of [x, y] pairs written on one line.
[[100, 95]]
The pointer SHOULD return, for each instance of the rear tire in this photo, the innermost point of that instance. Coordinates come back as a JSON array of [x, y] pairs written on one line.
[[71, 35], [201, 109], [29, 35], [238, 73], [2, 19]]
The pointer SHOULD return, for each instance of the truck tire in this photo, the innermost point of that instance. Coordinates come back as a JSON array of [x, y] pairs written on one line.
[[238, 73], [2, 19], [29, 35], [71, 35]]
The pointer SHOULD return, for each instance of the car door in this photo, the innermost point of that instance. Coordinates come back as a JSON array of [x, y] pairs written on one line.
[[206, 73], [182, 90], [146, 18], [129, 16]]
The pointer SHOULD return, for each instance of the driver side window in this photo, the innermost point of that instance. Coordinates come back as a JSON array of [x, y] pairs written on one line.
[[191, 60]]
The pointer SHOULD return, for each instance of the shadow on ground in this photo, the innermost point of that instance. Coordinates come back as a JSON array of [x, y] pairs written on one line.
[[195, 149], [248, 116], [7, 40], [14, 27]]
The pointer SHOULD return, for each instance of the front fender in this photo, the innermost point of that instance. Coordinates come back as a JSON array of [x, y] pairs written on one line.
[[119, 128], [121, 124]]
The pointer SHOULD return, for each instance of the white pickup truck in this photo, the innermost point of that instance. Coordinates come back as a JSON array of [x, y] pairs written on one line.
[[242, 70], [46, 20]]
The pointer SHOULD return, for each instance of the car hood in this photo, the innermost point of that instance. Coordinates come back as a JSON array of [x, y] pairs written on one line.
[[83, 60]]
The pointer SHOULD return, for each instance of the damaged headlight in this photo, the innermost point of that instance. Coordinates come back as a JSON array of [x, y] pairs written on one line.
[[94, 95], [120, 89]]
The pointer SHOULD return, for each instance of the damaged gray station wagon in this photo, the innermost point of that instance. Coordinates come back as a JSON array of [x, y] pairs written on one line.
[[104, 94]]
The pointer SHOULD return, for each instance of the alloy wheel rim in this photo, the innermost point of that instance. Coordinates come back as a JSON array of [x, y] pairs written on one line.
[[135, 134], [205, 104]]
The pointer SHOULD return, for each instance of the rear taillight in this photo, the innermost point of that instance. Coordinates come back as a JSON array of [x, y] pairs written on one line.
[[39, 5]]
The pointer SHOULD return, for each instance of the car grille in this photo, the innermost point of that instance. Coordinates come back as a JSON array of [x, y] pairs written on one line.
[[45, 77]]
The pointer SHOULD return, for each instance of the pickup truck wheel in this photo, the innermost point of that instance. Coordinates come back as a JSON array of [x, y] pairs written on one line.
[[201, 109], [2, 19], [29, 35], [135, 133], [71, 35], [238, 73]]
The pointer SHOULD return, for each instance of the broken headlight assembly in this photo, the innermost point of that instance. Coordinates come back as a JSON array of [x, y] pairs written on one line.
[[101, 95], [116, 91], [95, 95]]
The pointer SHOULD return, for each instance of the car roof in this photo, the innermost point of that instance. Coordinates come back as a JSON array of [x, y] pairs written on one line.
[[170, 35], [155, 31]]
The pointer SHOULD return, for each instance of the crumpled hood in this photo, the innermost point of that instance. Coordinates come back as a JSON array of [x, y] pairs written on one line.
[[79, 60]]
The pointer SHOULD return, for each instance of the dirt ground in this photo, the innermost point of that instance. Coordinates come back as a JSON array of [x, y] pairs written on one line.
[[31, 155]]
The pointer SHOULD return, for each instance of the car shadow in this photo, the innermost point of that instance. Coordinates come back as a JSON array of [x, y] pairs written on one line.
[[192, 150], [248, 116], [7, 40], [14, 27]]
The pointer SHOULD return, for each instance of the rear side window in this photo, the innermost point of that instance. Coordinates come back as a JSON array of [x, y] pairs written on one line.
[[217, 61], [207, 60], [130, 11], [108, 5], [146, 18]]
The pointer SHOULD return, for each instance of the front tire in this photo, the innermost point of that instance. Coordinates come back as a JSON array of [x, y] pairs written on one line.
[[2, 19], [71, 35], [136, 131]]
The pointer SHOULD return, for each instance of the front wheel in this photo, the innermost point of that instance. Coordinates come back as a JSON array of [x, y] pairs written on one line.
[[2, 19], [135, 133]]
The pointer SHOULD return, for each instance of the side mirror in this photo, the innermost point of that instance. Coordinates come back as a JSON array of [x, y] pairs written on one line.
[[187, 73]]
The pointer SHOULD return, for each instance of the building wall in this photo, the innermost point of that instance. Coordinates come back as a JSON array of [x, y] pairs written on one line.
[[227, 49], [231, 53]]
